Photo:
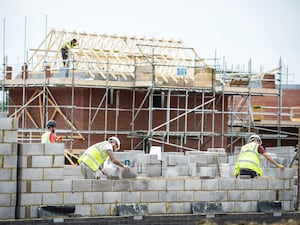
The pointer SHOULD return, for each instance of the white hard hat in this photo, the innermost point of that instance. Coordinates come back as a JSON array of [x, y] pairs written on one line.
[[116, 140], [255, 137]]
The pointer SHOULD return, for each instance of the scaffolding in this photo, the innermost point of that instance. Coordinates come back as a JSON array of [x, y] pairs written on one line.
[[210, 106]]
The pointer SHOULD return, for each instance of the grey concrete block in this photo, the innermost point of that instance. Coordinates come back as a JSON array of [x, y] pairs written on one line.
[[54, 173], [260, 183], [6, 148], [5, 200], [101, 185], [132, 209], [285, 195], [269, 206], [84, 210], [112, 197], [219, 196], [149, 196], [7, 212], [10, 161], [92, 197], [82, 185], [101, 210], [59, 161], [6, 174], [178, 208], [173, 184], [167, 196], [8, 186], [31, 149], [54, 148], [192, 184], [40, 186], [241, 207], [52, 198], [8, 123], [202, 195], [139, 185], [206, 207], [41, 161], [73, 198], [31, 199], [227, 184], [121, 185], [157, 184], [228, 207], [10, 136], [235, 195], [210, 184], [185, 196], [62, 185], [251, 195], [156, 208], [275, 184], [243, 184], [131, 197], [267, 195]]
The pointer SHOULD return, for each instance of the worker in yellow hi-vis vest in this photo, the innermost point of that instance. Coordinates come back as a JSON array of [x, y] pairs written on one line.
[[65, 49], [248, 162], [94, 157]]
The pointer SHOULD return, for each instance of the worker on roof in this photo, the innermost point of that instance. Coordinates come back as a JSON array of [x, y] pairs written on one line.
[[49, 136], [65, 49], [248, 162], [94, 157]]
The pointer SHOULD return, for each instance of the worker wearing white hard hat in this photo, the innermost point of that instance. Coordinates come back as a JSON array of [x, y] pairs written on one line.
[[248, 162], [94, 157]]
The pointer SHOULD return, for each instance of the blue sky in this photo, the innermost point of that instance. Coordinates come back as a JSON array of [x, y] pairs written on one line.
[[263, 30]]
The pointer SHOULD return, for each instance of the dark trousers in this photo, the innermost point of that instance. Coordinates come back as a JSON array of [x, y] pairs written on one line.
[[249, 172], [64, 55]]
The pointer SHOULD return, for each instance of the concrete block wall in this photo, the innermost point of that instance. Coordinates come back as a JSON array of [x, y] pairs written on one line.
[[8, 165], [41, 169], [176, 195], [40, 181]]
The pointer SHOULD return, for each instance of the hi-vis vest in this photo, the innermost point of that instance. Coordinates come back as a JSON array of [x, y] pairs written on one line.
[[68, 45], [94, 156], [249, 159], [46, 137]]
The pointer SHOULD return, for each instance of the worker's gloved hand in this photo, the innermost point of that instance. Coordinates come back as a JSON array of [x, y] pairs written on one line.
[[281, 166]]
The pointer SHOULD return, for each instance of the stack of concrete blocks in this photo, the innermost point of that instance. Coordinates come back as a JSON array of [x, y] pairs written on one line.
[[221, 159], [177, 165], [8, 165], [285, 154], [41, 178]]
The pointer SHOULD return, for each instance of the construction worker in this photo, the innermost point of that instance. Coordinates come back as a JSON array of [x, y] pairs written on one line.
[[65, 49], [94, 157], [248, 162], [50, 136]]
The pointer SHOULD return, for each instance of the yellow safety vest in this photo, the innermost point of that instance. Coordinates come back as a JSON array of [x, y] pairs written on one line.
[[94, 156], [249, 158], [46, 137], [68, 45]]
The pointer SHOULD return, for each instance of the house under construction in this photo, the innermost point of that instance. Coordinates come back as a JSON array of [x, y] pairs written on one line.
[[147, 92]]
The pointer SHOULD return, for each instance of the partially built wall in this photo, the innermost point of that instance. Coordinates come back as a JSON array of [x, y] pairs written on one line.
[[34, 177]]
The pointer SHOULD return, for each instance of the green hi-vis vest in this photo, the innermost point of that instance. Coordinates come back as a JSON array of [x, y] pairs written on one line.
[[249, 159], [94, 156], [46, 137]]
